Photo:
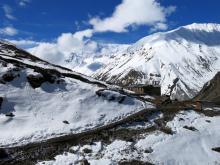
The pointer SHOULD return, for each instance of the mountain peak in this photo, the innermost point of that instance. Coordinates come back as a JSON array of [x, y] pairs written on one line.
[[210, 27], [189, 53], [201, 33]]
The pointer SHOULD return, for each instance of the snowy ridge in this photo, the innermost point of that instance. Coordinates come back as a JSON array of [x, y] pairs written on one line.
[[189, 54], [49, 101], [210, 27]]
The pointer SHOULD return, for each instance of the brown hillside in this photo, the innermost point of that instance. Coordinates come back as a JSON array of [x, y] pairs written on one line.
[[210, 91]]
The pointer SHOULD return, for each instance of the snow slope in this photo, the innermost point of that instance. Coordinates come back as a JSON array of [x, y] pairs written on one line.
[[65, 101], [188, 56], [184, 147]]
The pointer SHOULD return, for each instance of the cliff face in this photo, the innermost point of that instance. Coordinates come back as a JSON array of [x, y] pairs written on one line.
[[211, 90]]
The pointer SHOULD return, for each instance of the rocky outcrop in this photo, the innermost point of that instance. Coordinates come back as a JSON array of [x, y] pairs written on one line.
[[210, 91], [36, 80], [1, 101]]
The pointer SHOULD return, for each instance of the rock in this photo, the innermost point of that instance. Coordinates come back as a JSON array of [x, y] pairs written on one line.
[[2, 82], [3, 154], [134, 162], [216, 149], [167, 130], [210, 91], [121, 100], [50, 76], [1, 101], [36, 80], [191, 128], [87, 150], [9, 114], [4, 64], [60, 81], [7, 77], [84, 162], [74, 149], [110, 97], [149, 150], [66, 122]]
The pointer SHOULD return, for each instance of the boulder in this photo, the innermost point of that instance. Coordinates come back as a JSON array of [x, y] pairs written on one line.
[[36, 80]]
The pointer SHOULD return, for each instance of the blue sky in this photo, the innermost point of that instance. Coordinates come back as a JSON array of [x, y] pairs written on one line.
[[45, 20]]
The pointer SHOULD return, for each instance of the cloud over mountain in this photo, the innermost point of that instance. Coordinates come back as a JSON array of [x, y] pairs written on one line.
[[130, 12]]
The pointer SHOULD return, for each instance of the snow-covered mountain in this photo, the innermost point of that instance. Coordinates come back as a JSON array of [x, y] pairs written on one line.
[[86, 59], [184, 58], [92, 122], [89, 61], [39, 100]]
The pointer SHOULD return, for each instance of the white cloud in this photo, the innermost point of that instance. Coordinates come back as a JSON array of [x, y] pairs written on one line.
[[159, 26], [62, 48], [8, 31], [23, 3], [133, 12], [169, 10], [25, 43], [91, 46], [84, 33], [49, 52], [55, 52], [8, 12], [68, 43]]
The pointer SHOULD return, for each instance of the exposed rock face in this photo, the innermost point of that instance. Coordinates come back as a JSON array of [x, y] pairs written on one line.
[[10, 75], [1, 101], [36, 80], [211, 90], [110, 97], [3, 154], [134, 162]]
